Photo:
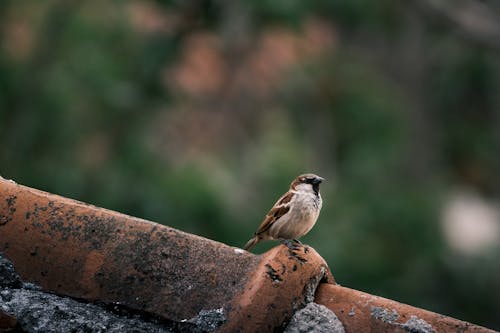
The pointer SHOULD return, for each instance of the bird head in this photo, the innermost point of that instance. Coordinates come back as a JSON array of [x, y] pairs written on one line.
[[307, 182]]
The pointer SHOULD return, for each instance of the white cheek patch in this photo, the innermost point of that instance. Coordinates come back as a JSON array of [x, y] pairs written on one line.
[[304, 187]]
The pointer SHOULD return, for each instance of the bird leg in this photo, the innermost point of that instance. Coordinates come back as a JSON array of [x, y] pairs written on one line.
[[292, 245]]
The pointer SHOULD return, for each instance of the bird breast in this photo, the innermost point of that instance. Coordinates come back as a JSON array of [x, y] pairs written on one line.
[[304, 211]]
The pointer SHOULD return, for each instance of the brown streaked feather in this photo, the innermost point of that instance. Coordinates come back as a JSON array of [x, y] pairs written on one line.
[[285, 198], [295, 182], [280, 208]]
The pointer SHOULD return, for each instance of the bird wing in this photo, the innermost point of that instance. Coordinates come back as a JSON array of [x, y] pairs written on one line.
[[280, 208]]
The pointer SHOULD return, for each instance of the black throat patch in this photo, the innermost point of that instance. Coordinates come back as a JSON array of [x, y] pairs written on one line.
[[316, 188]]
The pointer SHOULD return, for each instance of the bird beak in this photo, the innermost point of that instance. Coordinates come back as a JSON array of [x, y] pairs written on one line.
[[317, 180]]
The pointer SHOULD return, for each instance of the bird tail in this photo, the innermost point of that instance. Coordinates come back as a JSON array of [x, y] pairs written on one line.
[[251, 243]]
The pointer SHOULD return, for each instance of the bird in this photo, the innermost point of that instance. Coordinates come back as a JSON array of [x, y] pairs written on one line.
[[293, 215]]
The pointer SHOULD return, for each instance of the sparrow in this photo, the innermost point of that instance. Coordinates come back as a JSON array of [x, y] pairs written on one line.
[[294, 214]]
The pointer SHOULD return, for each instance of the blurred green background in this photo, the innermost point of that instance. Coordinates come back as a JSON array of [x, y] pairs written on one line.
[[198, 114]]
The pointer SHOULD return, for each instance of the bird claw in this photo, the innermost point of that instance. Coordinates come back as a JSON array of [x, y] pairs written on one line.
[[289, 244], [306, 248], [294, 245]]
